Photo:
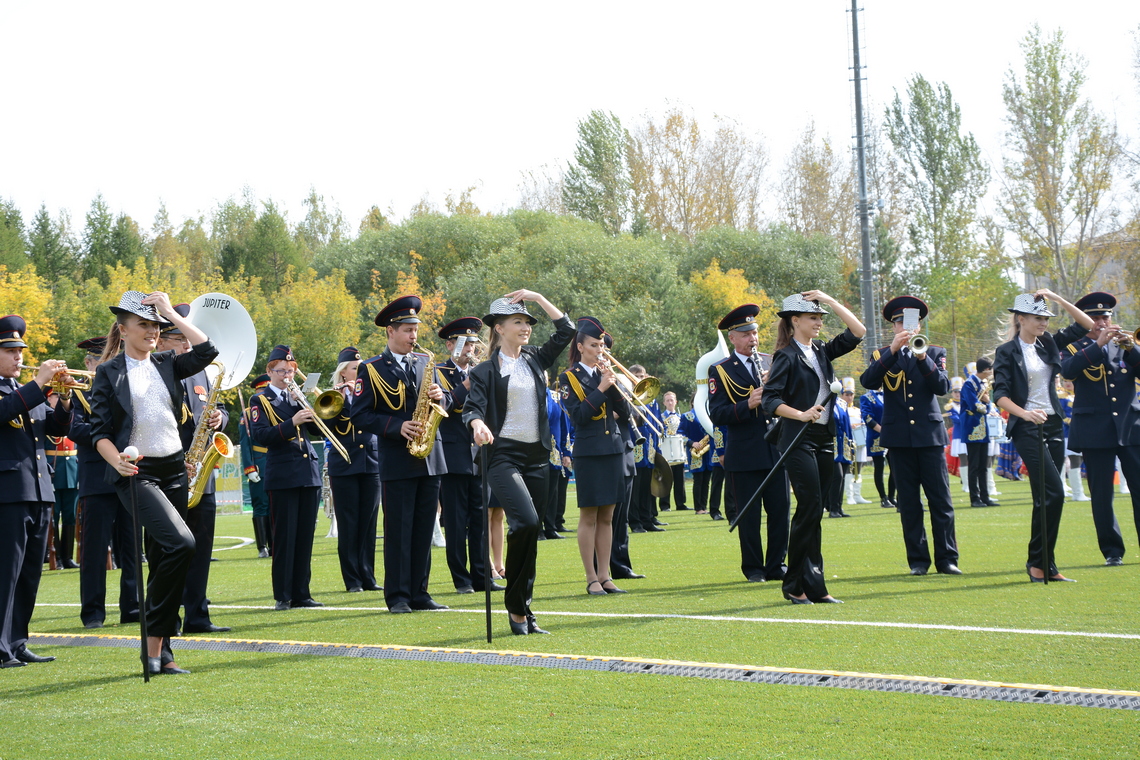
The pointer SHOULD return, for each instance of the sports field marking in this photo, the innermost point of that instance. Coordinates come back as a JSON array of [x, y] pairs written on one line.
[[949, 687], [711, 618], [242, 542]]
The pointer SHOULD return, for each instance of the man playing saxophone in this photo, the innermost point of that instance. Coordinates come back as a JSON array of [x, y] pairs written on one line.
[[201, 518], [394, 394]]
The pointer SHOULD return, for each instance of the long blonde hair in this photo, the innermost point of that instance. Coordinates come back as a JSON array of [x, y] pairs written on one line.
[[114, 339]]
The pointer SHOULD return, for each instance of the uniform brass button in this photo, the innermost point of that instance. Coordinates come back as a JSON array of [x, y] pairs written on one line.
[[1114, 398], [362, 445], [1114, 414], [1112, 385], [910, 395], [38, 456], [912, 422], [910, 382], [304, 456], [911, 408]]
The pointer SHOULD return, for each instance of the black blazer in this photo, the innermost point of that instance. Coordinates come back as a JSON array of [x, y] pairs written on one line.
[[453, 431], [290, 459], [91, 463], [596, 433], [362, 446], [911, 417], [792, 381], [745, 448], [111, 393], [1012, 381], [487, 399]]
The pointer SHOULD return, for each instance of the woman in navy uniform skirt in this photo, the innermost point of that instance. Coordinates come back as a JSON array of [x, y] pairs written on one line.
[[135, 398], [291, 480], [355, 485], [1025, 373], [797, 385], [595, 406], [506, 409]]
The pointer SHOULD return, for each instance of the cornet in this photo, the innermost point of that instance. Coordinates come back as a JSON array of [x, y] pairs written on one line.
[[918, 343], [63, 382], [1125, 341]]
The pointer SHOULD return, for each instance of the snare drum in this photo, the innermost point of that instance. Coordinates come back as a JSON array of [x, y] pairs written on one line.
[[673, 448]]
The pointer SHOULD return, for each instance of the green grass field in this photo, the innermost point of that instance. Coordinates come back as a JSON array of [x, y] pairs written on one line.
[[92, 703]]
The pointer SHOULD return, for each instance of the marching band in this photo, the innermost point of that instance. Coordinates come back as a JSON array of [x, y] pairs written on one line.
[[410, 433]]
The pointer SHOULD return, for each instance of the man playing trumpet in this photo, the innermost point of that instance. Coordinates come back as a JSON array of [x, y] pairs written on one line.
[[1106, 415]]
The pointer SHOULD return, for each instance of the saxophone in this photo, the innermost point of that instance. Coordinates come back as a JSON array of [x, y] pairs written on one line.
[[428, 413], [207, 447]]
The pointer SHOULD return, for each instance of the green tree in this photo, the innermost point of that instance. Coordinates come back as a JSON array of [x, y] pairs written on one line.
[[373, 221], [51, 249], [321, 226], [596, 185], [944, 172], [127, 242], [98, 250], [13, 241], [268, 251], [1060, 162]]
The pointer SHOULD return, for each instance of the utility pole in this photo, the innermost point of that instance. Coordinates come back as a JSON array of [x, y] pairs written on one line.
[[954, 333], [864, 207]]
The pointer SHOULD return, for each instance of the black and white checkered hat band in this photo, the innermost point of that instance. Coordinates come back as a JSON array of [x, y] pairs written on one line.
[[131, 302], [1027, 303], [799, 304]]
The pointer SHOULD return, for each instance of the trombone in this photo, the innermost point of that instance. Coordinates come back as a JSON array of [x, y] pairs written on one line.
[[299, 397], [637, 393], [64, 382], [326, 404]]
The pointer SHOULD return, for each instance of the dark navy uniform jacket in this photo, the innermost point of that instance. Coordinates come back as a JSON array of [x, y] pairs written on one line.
[[730, 382], [362, 446], [596, 432], [1106, 412], [197, 390], [92, 466], [25, 423], [290, 461], [911, 417], [455, 435], [384, 401]]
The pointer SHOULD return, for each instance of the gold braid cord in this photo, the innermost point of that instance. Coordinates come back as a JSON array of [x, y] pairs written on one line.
[[733, 388], [271, 415], [382, 389], [898, 378], [86, 404], [581, 394]]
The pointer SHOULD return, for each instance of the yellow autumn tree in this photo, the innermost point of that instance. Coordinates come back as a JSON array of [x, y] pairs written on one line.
[[315, 316], [718, 292], [407, 283], [27, 294]]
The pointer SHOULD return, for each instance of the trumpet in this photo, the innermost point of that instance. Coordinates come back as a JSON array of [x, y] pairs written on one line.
[[318, 420], [326, 404], [918, 343], [1125, 341], [64, 382], [637, 393]]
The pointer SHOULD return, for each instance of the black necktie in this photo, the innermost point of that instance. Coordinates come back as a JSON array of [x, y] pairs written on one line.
[[410, 371], [755, 370]]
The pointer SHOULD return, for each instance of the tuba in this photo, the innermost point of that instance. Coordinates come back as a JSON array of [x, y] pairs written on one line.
[[428, 413], [701, 399], [230, 328]]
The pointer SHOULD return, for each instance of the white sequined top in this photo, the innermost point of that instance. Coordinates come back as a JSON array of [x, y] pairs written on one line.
[[521, 421], [1040, 375], [154, 431]]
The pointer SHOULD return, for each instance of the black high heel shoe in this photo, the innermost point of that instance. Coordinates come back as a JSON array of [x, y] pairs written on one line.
[[1058, 578], [519, 629], [795, 600], [614, 590], [595, 593], [155, 667]]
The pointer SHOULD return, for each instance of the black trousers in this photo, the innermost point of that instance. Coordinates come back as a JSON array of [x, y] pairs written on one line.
[[462, 519], [678, 488], [409, 521], [621, 566], [978, 459], [560, 508], [1027, 442], [641, 506], [701, 490], [1100, 465], [23, 541], [555, 486], [357, 502], [716, 485], [777, 506], [834, 501], [105, 522], [201, 521], [517, 473], [811, 468], [889, 491], [160, 488], [293, 512], [924, 467]]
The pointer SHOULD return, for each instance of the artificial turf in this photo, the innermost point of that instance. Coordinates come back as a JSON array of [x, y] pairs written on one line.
[[267, 705]]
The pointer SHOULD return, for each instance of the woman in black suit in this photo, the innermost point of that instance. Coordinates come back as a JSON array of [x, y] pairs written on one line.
[[797, 386], [1025, 373], [133, 401], [355, 484], [595, 407], [506, 409]]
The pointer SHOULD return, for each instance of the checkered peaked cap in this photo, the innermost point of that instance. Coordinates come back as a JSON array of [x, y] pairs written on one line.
[[502, 307], [131, 303], [1027, 303], [797, 304]]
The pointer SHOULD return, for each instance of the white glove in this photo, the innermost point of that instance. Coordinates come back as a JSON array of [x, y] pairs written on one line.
[[255, 477]]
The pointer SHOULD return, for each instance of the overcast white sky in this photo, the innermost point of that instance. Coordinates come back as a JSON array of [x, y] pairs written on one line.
[[383, 102]]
